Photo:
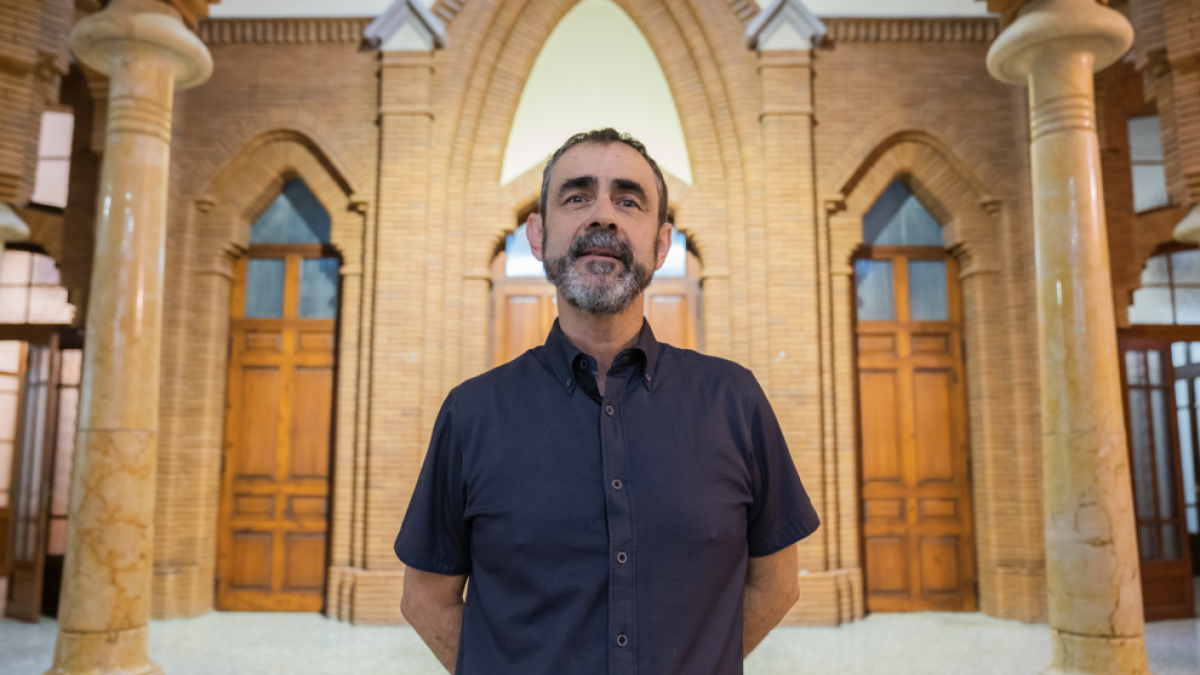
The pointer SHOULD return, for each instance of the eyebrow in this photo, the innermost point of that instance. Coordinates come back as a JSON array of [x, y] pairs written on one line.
[[626, 185], [577, 183]]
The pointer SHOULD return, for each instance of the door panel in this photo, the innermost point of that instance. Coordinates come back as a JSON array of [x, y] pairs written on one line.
[[1157, 379], [275, 487], [918, 542], [31, 482]]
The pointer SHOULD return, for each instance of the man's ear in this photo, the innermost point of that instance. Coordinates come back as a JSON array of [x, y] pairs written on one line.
[[533, 231], [664, 244]]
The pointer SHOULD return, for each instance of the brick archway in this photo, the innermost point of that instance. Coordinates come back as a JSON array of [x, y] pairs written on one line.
[[195, 357], [1003, 425]]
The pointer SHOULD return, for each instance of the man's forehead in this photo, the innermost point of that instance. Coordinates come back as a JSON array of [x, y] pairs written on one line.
[[604, 162]]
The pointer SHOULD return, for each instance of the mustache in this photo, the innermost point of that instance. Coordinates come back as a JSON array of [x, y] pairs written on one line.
[[604, 240]]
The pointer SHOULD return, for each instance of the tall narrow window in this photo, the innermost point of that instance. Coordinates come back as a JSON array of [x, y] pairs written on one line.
[[54, 159], [1146, 156]]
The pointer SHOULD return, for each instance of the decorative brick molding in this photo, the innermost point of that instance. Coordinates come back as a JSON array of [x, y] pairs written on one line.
[[958, 29], [282, 31]]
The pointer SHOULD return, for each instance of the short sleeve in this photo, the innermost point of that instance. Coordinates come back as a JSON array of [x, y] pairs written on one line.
[[781, 513], [433, 537]]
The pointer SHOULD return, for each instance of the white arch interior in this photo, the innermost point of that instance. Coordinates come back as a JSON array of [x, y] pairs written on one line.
[[595, 70]]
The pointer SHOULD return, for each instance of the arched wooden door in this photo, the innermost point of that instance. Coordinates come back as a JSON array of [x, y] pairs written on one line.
[[278, 422], [524, 304], [918, 543]]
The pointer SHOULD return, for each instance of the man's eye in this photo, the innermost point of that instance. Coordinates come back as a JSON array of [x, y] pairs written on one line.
[[628, 202], [574, 199]]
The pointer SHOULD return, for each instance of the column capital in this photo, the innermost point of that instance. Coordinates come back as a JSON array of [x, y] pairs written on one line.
[[1045, 27], [100, 39]]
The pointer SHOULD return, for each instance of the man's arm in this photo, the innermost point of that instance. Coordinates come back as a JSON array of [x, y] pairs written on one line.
[[772, 587], [433, 605]]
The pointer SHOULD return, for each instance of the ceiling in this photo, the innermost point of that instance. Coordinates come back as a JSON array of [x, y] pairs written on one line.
[[268, 8]]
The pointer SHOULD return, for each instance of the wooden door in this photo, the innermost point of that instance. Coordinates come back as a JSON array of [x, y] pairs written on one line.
[[32, 471], [916, 489], [1159, 382], [275, 478], [524, 310]]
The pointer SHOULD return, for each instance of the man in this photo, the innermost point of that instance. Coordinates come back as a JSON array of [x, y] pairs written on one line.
[[619, 505]]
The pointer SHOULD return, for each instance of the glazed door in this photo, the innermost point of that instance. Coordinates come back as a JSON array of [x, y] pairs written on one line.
[[275, 479], [916, 488], [1161, 382], [30, 495]]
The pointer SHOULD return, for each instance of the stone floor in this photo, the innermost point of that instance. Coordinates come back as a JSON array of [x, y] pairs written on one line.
[[308, 644]]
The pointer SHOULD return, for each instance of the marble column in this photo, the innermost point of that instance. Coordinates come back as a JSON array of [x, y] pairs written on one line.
[[148, 54], [1095, 603]]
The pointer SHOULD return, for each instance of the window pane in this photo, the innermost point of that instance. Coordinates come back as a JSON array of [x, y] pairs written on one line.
[[14, 270], [1187, 461], [264, 288], [48, 304], [295, 217], [1181, 395], [1149, 187], [1187, 306], [1151, 306], [874, 290], [45, 271], [1139, 434], [676, 263], [1194, 352], [1155, 273], [55, 137], [1154, 366], [10, 356], [1135, 368], [897, 218], [14, 304], [1148, 542], [1171, 548], [518, 257], [318, 288], [50, 182], [927, 290], [1179, 354], [1185, 267], [1164, 456]]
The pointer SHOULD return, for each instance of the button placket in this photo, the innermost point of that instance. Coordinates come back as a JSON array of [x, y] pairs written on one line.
[[622, 659]]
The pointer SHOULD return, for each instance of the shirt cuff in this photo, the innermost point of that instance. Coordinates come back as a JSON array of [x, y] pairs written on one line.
[[428, 561], [785, 536]]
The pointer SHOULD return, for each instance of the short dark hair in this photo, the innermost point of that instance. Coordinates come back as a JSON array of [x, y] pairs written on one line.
[[606, 136]]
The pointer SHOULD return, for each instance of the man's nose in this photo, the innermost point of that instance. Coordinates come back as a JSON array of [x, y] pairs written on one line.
[[604, 215]]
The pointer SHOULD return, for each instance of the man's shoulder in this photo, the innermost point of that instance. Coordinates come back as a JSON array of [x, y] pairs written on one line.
[[503, 380], [702, 369]]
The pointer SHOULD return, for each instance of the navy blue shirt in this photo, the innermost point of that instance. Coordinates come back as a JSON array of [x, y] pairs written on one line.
[[604, 534]]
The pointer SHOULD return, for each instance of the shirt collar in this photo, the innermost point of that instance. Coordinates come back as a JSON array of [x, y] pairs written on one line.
[[561, 354]]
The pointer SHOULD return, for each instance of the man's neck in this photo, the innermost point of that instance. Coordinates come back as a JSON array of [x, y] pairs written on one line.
[[601, 337]]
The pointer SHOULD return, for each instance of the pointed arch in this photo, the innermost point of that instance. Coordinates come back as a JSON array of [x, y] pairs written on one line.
[[966, 196], [197, 329]]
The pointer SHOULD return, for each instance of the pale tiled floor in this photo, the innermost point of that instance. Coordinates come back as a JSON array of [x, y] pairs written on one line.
[[307, 644]]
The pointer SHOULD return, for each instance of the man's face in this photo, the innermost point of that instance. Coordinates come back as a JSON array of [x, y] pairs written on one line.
[[600, 238]]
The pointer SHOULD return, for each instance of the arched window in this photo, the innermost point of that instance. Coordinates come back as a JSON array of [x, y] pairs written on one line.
[[295, 219], [898, 219], [519, 260], [1170, 292]]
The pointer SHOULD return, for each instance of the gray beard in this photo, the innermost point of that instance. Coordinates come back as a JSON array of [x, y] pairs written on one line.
[[610, 296]]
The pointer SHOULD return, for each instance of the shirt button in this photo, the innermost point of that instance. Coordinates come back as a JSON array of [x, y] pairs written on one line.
[[616, 483], [622, 640], [609, 410], [568, 381], [621, 557]]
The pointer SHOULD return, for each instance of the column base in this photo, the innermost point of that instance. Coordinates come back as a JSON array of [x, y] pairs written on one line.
[[1091, 655], [117, 652]]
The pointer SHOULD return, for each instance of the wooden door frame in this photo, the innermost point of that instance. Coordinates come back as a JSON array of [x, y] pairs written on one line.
[[234, 314], [955, 305], [1168, 335]]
